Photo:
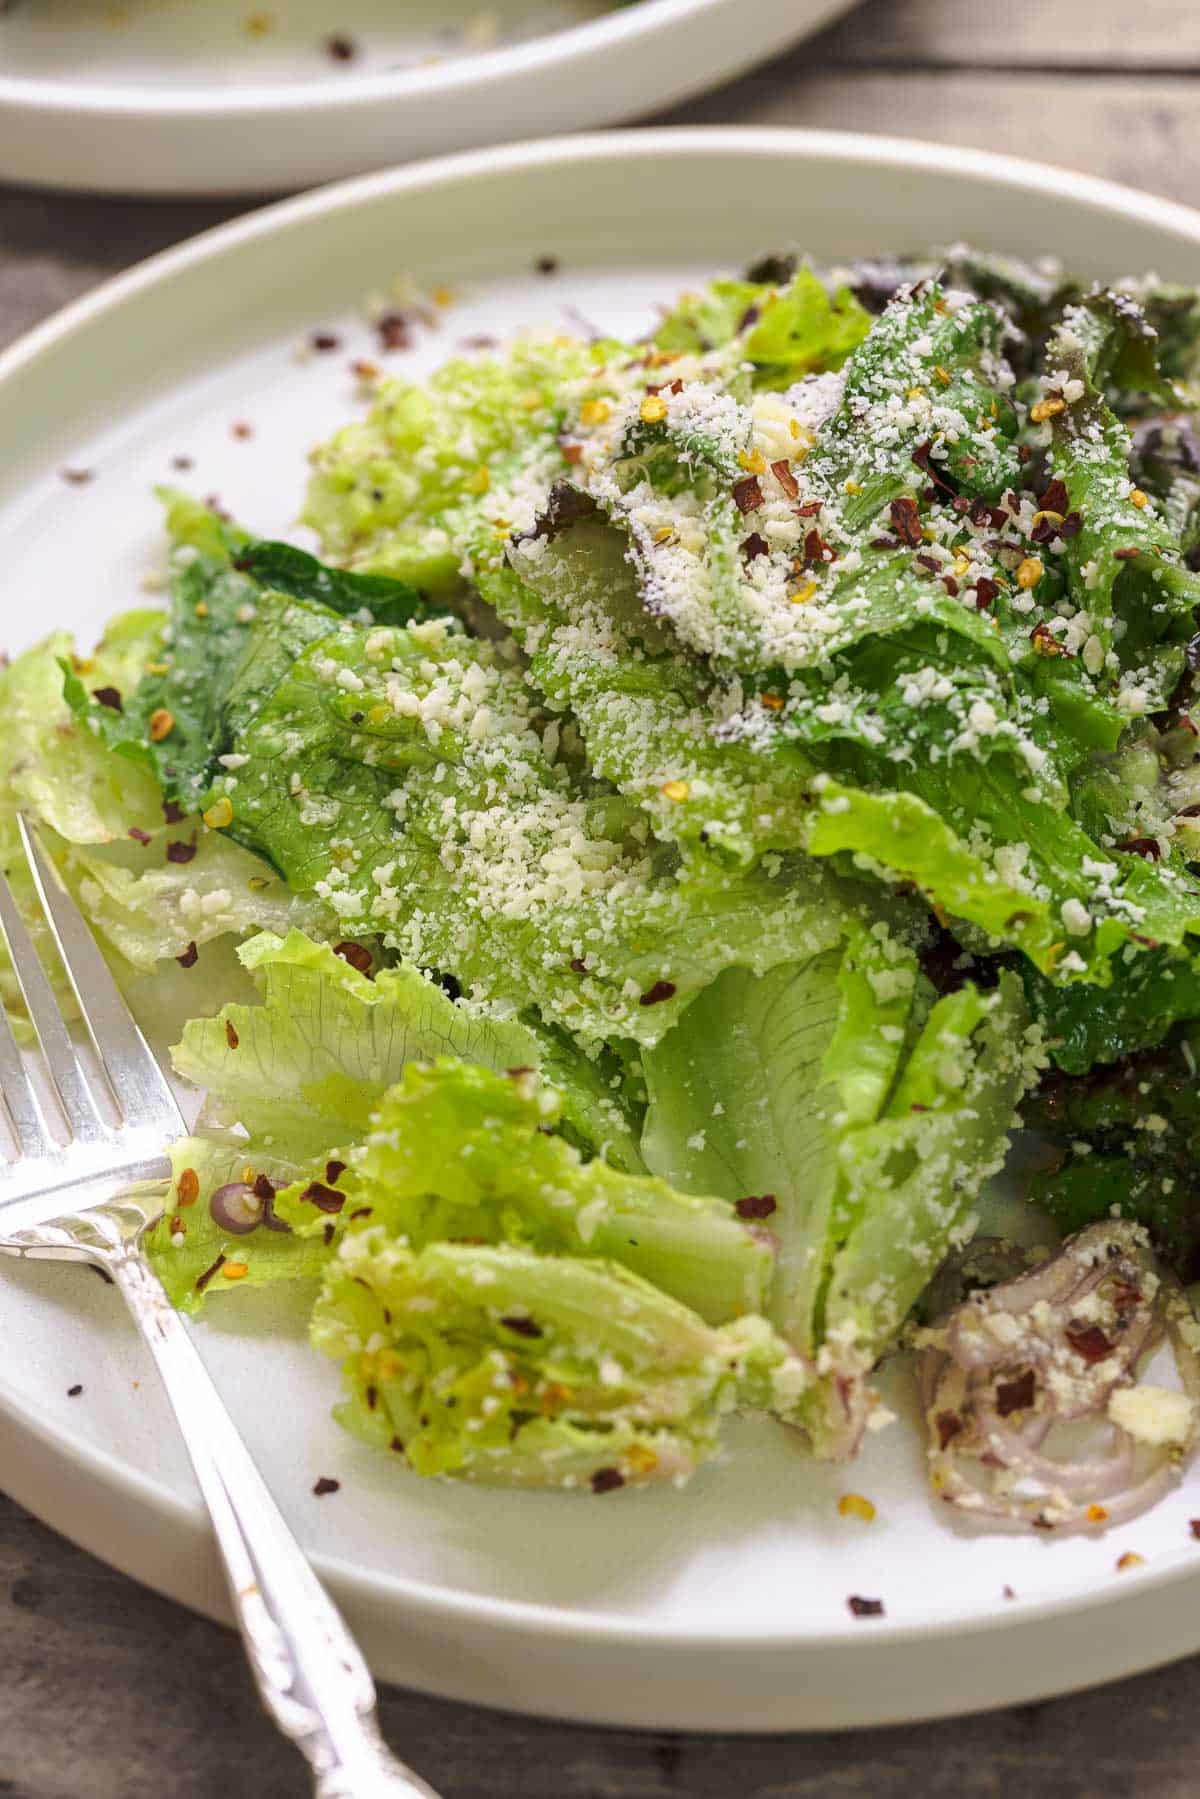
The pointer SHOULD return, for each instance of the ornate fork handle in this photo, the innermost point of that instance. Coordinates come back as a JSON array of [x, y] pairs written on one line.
[[310, 1673]]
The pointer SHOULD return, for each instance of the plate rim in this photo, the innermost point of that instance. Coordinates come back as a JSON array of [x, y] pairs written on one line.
[[508, 1616], [210, 102]]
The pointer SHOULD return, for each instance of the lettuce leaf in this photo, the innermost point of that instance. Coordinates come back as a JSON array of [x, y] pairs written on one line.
[[456, 1151], [859, 1119], [493, 1363]]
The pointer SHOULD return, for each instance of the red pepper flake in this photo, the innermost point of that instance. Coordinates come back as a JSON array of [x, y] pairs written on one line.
[[1146, 847], [231, 1036], [1127, 554], [982, 514], [1016, 1395], [203, 1280], [395, 331], [75, 1391], [334, 1172], [1071, 525], [1088, 1341], [264, 1188], [242, 431], [985, 592], [865, 1608], [139, 836], [189, 957], [747, 494], [816, 550], [783, 474], [547, 265], [356, 954], [607, 1480], [951, 586], [922, 457], [885, 543], [1055, 498], [906, 522], [754, 546], [78, 477], [1046, 643], [328, 1234], [181, 852], [361, 1212], [172, 812], [524, 1327], [573, 454], [756, 1205], [809, 509], [110, 697], [1045, 530], [1194, 1528], [655, 995], [340, 48], [949, 1426], [578, 965], [325, 1485], [325, 341], [324, 1198], [929, 562]]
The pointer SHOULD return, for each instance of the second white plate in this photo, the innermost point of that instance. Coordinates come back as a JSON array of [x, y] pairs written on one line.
[[167, 97]]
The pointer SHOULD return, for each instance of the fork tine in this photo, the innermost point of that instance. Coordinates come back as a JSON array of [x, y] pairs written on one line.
[[17, 1097], [69, 1083], [141, 1089]]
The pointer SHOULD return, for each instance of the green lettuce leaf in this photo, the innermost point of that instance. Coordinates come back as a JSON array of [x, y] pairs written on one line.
[[456, 1151], [497, 1364]]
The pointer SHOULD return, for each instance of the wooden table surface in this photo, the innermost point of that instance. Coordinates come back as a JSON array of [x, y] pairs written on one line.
[[109, 1692]]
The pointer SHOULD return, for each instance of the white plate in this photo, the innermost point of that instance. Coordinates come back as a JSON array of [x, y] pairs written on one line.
[[723, 1607], [167, 96]]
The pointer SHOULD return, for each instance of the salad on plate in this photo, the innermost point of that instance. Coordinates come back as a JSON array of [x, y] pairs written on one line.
[[713, 804]]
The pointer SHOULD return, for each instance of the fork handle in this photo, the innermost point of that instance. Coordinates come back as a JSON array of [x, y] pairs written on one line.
[[311, 1675]]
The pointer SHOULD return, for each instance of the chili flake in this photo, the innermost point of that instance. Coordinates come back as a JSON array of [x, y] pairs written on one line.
[[655, 995], [607, 1480], [783, 474], [865, 1608], [747, 494], [524, 1327], [325, 1485], [756, 1205], [905, 520]]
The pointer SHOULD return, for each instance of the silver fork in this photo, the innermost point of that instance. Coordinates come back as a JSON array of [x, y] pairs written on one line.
[[91, 1199]]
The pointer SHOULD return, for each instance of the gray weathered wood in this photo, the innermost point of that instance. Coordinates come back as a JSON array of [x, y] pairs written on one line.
[[1140, 131], [1048, 34], [109, 1692]]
